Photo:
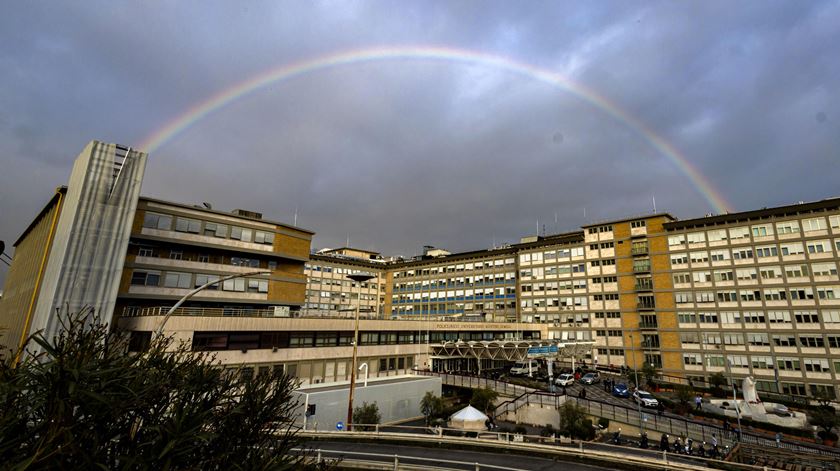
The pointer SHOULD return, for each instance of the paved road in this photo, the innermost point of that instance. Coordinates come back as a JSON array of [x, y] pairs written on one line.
[[509, 461]]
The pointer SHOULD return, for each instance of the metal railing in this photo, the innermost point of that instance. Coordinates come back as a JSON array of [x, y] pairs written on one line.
[[665, 423]]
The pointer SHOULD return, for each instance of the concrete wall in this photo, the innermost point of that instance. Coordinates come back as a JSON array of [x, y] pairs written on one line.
[[397, 399]]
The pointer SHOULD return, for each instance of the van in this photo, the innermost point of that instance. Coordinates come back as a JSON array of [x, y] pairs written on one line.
[[521, 368]]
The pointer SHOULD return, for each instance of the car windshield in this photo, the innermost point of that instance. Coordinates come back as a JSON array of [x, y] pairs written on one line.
[[589, 375], [645, 395], [621, 386]]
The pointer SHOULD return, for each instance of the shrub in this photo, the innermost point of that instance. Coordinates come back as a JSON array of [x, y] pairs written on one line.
[[367, 414]]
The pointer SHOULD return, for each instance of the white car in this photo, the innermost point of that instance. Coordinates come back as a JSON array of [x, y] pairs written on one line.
[[645, 398], [565, 379], [522, 368]]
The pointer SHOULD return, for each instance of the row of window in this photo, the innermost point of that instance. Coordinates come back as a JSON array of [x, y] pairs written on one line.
[[765, 273], [758, 230], [814, 365], [210, 229], [813, 247], [827, 316], [484, 265], [509, 277], [760, 339], [173, 279], [767, 294]]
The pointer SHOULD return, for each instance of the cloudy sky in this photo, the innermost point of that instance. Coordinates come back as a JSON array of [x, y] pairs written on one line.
[[447, 151]]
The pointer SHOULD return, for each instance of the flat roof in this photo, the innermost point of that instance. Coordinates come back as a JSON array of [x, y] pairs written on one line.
[[228, 214], [763, 213], [628, 219]]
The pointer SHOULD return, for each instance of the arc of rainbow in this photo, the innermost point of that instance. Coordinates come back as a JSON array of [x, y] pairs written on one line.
[[285, 72]]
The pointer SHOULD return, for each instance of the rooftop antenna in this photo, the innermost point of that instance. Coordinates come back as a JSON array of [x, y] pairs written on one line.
[[556, 225], [348, 240], [654, 203], [296, 209], [584, 213]]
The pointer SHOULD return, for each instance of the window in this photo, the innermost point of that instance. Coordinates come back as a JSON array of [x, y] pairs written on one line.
[[676, 240], [801, 294], [240, 233], [213, 229], [145, 278], [795, 248], [723, 275], [739, 233], [828, 292], [745, 274], [236, 284], [719, 255], [636, 224], [687, 318], [716, 235], [762, 231], [177, 280], [790, 227], [201, 280], [788, 364], [176, 255], [813, 224], [696, 238], [811, 341], [742, 254], [786, 340], [762, 363], [679, 259], [768, 251], [824, 269], [775, 294], [819, 246], [692, 359], [757, 339], [192, 226], [681, 278], [727, 296], [684, 298], [796, 271], [778, 317], [157, 221], [146, 252], [699, 257], [770, 273]]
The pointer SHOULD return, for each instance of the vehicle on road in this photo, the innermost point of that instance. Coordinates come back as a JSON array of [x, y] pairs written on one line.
[[645, 398], [523, 368], [590, 378], [620, 390], [565, 379]]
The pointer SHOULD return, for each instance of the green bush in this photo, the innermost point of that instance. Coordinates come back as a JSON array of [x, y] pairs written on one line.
[[366, 414], [604, 423]]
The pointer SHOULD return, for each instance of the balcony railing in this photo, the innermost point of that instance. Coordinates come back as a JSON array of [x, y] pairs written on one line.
[[646, 286], [641, 268], [645, 306], [648, 325], [639, 250]]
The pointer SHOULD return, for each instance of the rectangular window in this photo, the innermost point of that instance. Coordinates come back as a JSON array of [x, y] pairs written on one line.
[[676, 240], [213, 229], [790, 227], [795, 248], [177, 280], [192, 226], [719, 255], [814, 224], [262, 237], [157, 221], [636, 224], [145, 278]]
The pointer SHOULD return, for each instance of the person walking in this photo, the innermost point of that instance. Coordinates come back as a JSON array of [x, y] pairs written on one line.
[[778, 439], [698, 401], [663, 442]]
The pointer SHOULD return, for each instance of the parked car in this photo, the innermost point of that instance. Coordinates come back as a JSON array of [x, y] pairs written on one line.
[[523, 368], [590, 378], [620, 390], [645, 398], [565, 379]]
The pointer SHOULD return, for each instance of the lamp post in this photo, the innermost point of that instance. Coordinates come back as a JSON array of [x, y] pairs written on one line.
[[159, 330], [358, 278], [734, 397], [636, 373]]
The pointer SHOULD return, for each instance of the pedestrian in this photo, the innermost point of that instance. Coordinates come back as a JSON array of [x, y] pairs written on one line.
[[660, 408], [778, 439], [663, 442], [714, 442], [698, 401], [582, 394]]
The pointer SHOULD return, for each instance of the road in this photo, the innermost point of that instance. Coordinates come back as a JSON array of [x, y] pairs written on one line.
[[508, 461]]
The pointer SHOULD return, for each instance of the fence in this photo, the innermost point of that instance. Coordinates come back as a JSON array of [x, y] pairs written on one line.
[[666, 423]]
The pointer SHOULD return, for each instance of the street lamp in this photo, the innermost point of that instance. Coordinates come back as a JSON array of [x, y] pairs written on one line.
[[358, 278], [734, 397], [636, 373]]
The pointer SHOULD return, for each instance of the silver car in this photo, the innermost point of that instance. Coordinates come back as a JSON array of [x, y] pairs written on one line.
[[645, 398]]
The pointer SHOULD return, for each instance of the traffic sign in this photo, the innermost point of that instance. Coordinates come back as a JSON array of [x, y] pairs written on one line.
[[339, 426]]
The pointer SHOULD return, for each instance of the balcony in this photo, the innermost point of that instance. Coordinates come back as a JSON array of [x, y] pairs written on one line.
[[641, 268], [639, 250], [645, 306], [648, 325], [643, 285]]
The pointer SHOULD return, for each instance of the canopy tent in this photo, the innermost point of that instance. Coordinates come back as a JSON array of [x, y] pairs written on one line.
[[468, 418]]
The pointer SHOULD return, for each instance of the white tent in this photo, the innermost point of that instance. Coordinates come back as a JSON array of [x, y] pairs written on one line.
[[468, 418]]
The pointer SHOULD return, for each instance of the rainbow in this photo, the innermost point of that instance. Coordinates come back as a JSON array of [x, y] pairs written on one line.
[[289, 71]]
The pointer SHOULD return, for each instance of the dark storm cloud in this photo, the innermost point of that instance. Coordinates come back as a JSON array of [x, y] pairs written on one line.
[[398, 154]]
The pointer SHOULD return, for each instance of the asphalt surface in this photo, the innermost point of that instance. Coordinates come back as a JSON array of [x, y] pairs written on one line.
[[509, 461]]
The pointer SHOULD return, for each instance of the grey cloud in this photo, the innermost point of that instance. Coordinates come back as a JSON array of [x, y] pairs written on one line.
[[403, 153]]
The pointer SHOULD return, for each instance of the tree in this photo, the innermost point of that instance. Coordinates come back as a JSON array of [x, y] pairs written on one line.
[[484, 399], [367, 415], [574, 422], [827, 419], [85, 402], [684, 394], [649, 372], [431, 406], [717, 380]]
